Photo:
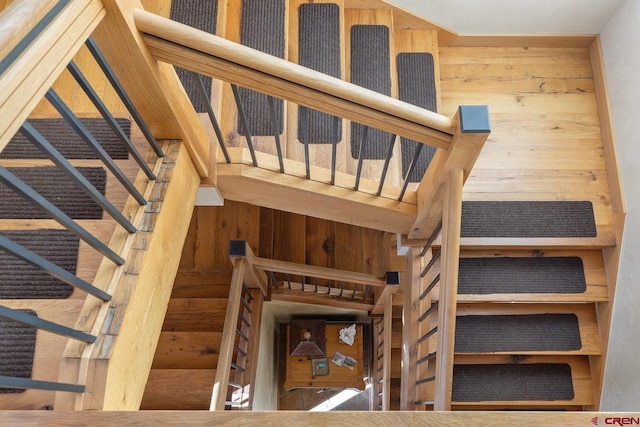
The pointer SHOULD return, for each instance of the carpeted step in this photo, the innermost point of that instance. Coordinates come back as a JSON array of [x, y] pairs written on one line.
[[20, 280], [17, 347], [528, 219], [200, 14], [515, 382], [319, 49], [67, 141], [262, 28], [370, 68], [54, 185], [517, 333], [521, 275], [417, 86]]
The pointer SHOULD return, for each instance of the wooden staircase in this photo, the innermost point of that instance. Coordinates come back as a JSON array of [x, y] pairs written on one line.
[[530, 156]]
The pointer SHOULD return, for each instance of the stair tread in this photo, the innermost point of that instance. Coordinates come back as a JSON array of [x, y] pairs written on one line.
[[179, 389], [585, 316], [195, 314], [187, 350], [488, 366]]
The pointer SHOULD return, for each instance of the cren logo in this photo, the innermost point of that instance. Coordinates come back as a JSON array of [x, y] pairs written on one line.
[[594, 421]]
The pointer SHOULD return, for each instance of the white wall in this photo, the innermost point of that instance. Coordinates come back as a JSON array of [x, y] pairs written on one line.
[[621, 47], [516, 16]]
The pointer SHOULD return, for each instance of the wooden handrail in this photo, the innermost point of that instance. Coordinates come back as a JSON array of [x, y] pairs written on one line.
[[28, 78], [286, 267], [451, 224], [223, 369], [208, 54]]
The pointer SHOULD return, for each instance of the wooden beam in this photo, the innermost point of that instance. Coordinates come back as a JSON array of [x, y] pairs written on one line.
[[223, 370], [451, 224], [154, 87], [28, 78], [473, 131], [208, 54], [272, 189]]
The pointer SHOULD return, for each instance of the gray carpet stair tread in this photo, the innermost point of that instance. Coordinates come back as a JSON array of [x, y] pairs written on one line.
[[262, 28], [370, 68], [417, 86], [200, 14], [515, 382], [517, 333], [528, 219], [67, 141], [521, 275], [20, 280], [54, 185], [17, 347], [319, 49]]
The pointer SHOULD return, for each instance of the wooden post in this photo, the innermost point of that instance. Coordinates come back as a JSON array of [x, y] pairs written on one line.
[[451, 223], [410, 316], [393, 282], [472, 132], [386, 349], [219, 395], [254, 343]]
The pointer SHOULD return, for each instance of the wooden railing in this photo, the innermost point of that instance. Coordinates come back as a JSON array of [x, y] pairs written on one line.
[[237, 363], [429, 314], [97, 372], [382, 333], [395, 208]]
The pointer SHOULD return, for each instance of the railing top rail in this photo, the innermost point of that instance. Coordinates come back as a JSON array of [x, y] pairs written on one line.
[[202, 52]]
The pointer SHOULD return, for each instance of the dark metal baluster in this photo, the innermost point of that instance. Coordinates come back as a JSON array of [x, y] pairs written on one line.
[[50, 268], [430, 287], [334, 148], [212, 117], [77, 125], [106, 114], [363, 141], [305, 132], [414, 162], [276, 131], [27, 383], [431, 262], [428, 312], [117, 86], [54, 155], [383, 177], [428, 334], [243, 121], [432, 239], [273, 279], [366, 293], [45, 325], [15, 184]]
